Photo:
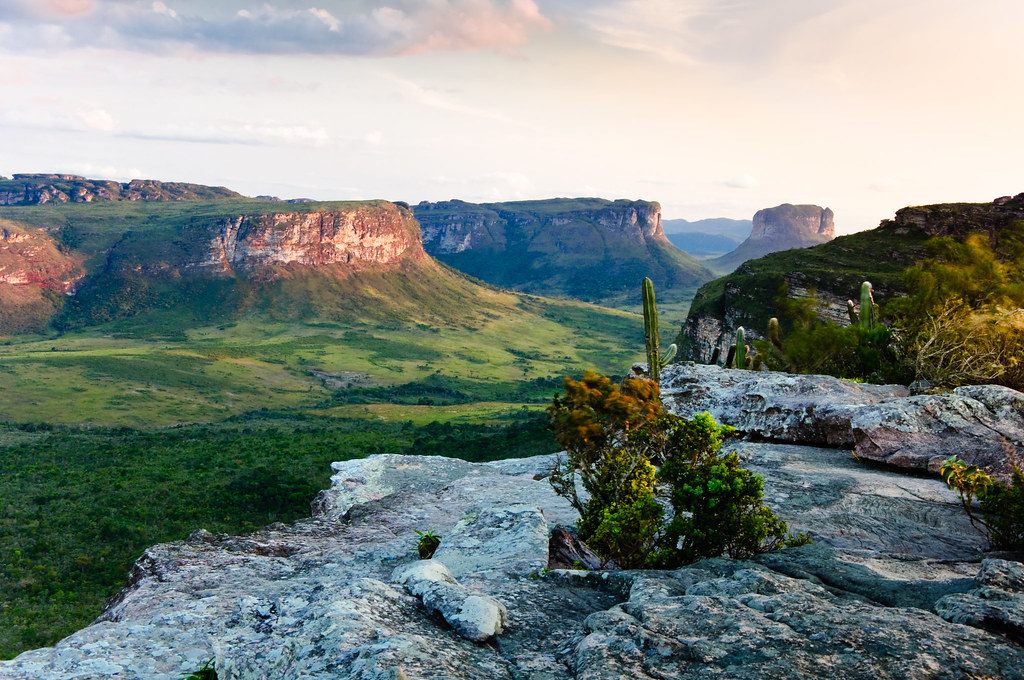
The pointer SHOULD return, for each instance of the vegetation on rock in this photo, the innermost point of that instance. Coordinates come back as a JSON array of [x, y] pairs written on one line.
[[614, 437], [1002, 504]]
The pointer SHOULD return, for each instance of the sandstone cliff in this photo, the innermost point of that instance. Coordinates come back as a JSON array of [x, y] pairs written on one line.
[[34, 271], [364, 235], [591, 249], [217, 258], [780, 228], [39, 189]]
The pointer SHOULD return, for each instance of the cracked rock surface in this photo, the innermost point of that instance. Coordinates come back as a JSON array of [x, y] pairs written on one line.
[[893, 587]]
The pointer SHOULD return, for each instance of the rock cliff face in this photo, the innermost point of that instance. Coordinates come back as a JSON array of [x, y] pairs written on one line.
[[374, 234], [27, 189], [33, 273], [894, 576], [31, 257], [590, 249], [833, 271], [780, 228]]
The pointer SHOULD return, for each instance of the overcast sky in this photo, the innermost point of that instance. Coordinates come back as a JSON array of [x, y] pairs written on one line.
[[714, 108]]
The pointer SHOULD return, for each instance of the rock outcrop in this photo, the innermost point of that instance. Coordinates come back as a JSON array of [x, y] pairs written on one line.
[[982, 424], [370, 234], [780, 228], [893, 587], [808, 409], [34, 272], [29, 189], [587, 248]]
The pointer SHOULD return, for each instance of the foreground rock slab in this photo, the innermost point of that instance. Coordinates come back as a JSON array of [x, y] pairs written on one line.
[[741, 620], [341, 595]]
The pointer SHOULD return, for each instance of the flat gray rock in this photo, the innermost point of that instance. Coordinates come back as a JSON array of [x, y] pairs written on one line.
[[808, 409], [981, 424], [316, 599]]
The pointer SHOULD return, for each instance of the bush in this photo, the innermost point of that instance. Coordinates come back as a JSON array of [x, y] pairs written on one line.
[[1002, 505], [605, 430], [614, 437]]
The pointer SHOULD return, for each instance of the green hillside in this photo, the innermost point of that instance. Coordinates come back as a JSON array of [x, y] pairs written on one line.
[[587, 249], [833, 272]]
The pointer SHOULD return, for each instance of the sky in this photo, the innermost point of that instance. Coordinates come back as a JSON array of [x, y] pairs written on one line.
[[714, 108]]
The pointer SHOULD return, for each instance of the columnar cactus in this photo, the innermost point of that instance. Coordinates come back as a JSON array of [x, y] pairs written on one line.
[[773, 332], [868, 308], [741, 349], [655, 360]]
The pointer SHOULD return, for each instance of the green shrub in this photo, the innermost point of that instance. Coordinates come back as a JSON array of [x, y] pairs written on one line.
[[613, 438], [718, 511], [1002, 505]]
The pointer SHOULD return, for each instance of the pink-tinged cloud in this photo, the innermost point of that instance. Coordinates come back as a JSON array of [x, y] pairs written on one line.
[[466, 25], [69, 7], [279, 26]]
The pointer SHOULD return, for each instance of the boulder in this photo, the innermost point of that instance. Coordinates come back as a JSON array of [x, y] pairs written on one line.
[[722, 618], [982, 424], [474, 616], [996, 604], [807, 409]]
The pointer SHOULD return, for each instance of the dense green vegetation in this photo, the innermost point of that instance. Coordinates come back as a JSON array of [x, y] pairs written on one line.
[[950, 308], [78, 506], [756, 291]]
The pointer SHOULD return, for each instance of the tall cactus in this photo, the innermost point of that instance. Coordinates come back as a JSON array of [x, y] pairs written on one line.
[[773, 332], [740, 353], [655, 360], [868, 308]]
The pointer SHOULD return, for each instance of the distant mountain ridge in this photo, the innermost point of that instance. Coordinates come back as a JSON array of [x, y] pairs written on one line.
[[40, 189], [586, 248]]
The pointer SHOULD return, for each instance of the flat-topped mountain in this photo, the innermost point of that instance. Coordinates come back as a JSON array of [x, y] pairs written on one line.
[[586, 248], [218, 258], [40, 189], [780, 228]]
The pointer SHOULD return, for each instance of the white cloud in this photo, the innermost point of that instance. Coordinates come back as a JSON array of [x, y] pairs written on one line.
[[97, 120], [329, 19], [93, 171], [241, 132], [161, 8], [742, 182]]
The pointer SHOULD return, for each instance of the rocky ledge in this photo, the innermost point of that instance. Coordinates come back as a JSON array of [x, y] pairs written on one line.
[[983, 424], [894, 586]]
